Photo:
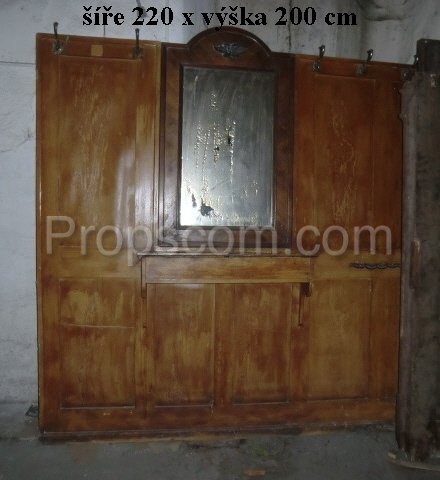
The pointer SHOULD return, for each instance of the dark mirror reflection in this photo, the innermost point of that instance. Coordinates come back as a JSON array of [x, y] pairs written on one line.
[[227, 148]]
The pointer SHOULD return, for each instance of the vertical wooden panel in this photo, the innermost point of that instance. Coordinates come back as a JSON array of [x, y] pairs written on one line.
[[97, 102], [304, 145], [181, 339], [97, 367], [384, 337], [348, 149], [97, 342], [260, 345], [338, 353], [343, 113], [96, 143]]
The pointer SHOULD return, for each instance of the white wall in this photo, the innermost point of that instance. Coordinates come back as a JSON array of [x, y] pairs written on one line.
[[390, 27]]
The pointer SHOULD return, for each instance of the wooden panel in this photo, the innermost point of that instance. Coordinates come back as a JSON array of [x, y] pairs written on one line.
[[181, 343], [384, 337], [226, 341], [348, 149], [338, 348], [99, 302], [259, 353], [97, 367], [97, 342], [99, 114], [218, 269], [95, 162], [343, 135], [97, 139]]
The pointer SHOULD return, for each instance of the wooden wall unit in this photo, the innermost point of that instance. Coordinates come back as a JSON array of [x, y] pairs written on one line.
[[210, 342]]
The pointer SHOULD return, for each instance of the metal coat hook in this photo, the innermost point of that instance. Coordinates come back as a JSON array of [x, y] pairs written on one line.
[[317, 63], [362, 68], [58, 45], [137, 50]]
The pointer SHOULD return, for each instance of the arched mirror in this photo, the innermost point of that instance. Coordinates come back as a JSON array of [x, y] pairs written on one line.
[[226, 142]]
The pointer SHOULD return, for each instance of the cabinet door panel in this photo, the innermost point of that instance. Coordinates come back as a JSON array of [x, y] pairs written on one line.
[[338, 347], [180, 336], [97, 367], [97, 342], [259, 353]]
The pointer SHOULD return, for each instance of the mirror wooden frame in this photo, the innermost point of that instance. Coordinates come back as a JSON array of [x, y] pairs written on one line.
[[227, 48]]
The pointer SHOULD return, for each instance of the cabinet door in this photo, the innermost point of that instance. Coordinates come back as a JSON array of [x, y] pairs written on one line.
[[180, 346], [226, 349], [352, 332], [97, 340], [258, 325], [96, 140], [338, 346]]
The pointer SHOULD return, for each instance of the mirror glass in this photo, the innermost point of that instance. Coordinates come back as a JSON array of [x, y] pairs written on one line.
[[227, 139]]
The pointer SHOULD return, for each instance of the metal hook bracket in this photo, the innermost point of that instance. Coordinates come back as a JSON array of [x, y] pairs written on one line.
[[137, 50], [363, 67], [316, 67], [58, 45]]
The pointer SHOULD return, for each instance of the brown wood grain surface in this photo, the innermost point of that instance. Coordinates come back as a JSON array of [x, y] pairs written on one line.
[[211, 342]]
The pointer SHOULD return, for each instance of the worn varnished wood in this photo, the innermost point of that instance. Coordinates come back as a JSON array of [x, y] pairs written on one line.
[[217, 342], [97, 367], [260, 362], [97, 337], [255, 300], [187, 269], [357, 310], [348, 164], [355, 315], [98, 168], [348, 149], [181, 345], [97, 127], [337, 348]]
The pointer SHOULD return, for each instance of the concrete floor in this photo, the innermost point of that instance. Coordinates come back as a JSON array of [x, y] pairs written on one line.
[[359, 454]]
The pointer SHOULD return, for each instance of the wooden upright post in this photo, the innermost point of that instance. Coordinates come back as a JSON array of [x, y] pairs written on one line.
[[418, 411]]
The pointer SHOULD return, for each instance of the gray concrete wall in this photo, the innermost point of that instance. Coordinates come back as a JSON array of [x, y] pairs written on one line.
[[390, 27]]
